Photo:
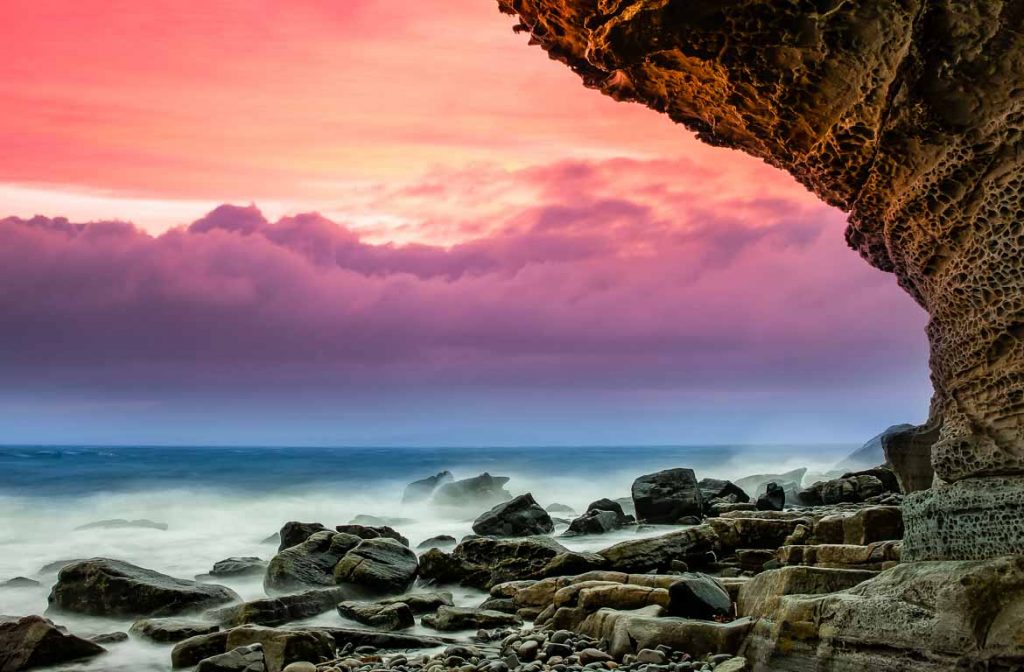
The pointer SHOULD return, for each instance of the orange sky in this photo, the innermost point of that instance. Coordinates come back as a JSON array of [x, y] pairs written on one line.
[[157, 111]]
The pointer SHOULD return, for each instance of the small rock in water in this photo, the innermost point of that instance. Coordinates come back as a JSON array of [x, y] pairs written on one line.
[[120, 523], [520, 517], [301, 666], [20, 582], [440, 541], [109, 638]]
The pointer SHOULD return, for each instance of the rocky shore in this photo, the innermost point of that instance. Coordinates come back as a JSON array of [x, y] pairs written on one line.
[[770, 572]]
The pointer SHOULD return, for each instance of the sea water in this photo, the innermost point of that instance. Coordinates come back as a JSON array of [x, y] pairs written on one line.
[[222, 502]]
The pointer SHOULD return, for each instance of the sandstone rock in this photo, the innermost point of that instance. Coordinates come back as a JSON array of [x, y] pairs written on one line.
[[874, 523], [769, 533], [871, 453], [308, 564], [753, 559], [620, 596], [281, 647], [657, 553], [519, 517], [170, 630], [909, 453], [479, 492], [421, 603], [570, 563], [734, 664], [294, 533], [423, 489], [460, 618], [396, 616], [280, 610], [877, 556], [631, 631], [103, 587], [243, 659], [33, 641], [380, 565], [699, 596], [667, 496], [759, 596]]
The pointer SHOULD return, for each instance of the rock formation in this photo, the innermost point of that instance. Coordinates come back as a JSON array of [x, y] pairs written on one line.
[[908, 115]]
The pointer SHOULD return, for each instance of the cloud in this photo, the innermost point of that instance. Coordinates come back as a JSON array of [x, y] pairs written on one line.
[[601, 273]]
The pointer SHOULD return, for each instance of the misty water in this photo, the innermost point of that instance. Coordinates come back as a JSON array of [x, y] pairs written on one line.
[[223, 502]]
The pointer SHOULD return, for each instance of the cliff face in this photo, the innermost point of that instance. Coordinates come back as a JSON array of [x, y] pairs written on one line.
[[905, 113]]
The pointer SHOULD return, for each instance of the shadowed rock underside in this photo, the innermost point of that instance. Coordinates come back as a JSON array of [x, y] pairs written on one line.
[[908, 115]]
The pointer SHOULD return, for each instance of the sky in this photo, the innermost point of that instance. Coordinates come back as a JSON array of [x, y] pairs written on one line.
[[270, 222]]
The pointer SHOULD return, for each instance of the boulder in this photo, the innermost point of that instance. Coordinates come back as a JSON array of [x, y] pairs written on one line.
[[33, 641], [449, 619], [440, 541], [308, 564], [121, 523], [243, 659], [573, 562], [20, 582], [725, 491], [773, 499], [280, 647], [356, 637], [367, 520], [280, 610], [699, 596], [872, 452], [909, 453], [396, 616], [667, 496], [103, 587], [246, 566], [421, 603], [482, 562], [479, 492], [647, 628], [380, 565], [423, 489], [519, 517], [693, 546], [594, 522], [293, 533], [755, 485], [372, 532], [555, 507], [170, 630], [871, 524], [759, 597]]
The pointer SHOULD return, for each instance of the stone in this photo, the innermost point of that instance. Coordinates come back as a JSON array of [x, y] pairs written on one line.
[[733, 532], [757, 484], [871, 524], [242, 659], [759, 596], [714, 488], [355, 638], [109, 638], [594, 522], [281, 609], [421, 603], [631, 631], [691, 545], [396, 616], [170, 630], [480, 492], [555, 507], [461, 618], [519, 517], [774, 498], [293, 533], [246, 566], [753, 559], [20, 582], [482, 562], [734, 664], [121, 523], [57, 565], [34, 641], [308, 564], [372, 532], [440, 541], [368, 520], [104, 587], [380, 565], [872, 452], [651, 657], [301, 666], [617, 596], [421, 490], [667, 496], [572, 562], [876, 556], [700, 596], [909, 453]]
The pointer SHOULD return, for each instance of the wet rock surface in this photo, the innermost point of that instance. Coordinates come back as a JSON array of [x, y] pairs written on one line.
[[33, 641]]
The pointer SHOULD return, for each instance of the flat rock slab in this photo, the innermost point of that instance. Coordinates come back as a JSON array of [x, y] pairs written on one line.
[[631, 631], [171, 630]]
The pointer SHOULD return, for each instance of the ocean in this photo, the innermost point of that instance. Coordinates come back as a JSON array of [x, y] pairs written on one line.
[[220, 502]]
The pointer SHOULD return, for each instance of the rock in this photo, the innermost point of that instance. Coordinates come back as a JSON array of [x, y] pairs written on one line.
[[735, 664], [909, 453], [243, 659], [700, 596], [559, 508], [519, 517], [482, 562], [594, 522], [570, 563], [280, 610], [366, 520], [759, 597], [368, 532], [33, 641], [632, 631], [871, 453], [396, 616], [440, 541], [57, 565], [757, 484], [423, 489], [657, 553], [479, 492], [280, 647], [310, 563], [774, 498], [380, 565], [588, 656], [876, 556], [667, 496], [753, 559], [421, 603], [718, 508], [247, 566], [170, 630], [871, 524], [109, 638], [714, 488], [448, 619], [651, 657], [20, 582], [103, 587], [121, 523], [294, 533], [355, 638], [301, 666]]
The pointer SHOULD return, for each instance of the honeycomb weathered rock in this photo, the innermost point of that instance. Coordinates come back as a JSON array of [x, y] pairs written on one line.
[[908, 114]]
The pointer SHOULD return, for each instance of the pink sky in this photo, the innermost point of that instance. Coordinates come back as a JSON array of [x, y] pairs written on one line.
[[484, 221]]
